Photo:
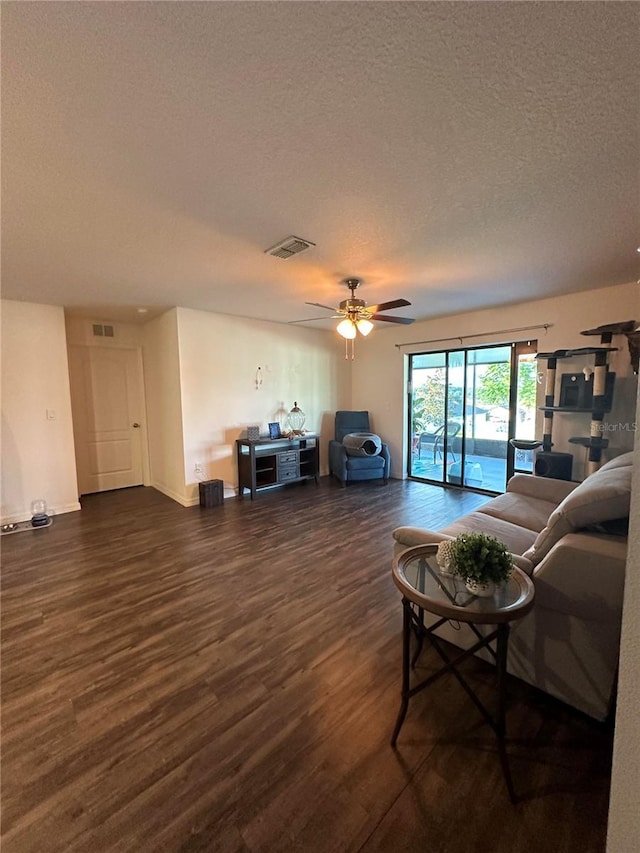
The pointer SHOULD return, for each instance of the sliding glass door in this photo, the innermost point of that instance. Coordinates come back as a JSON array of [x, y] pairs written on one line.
[[464, 406]]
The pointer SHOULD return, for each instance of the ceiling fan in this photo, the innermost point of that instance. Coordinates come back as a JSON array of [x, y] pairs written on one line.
[[356, 316]]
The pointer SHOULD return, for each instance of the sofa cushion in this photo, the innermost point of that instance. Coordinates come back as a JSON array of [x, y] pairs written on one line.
[[516, 538], [543, 488], [618, 462], [532, 513], [603, 496]]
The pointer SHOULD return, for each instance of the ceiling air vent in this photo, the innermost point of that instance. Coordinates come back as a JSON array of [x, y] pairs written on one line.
[[288, 247]]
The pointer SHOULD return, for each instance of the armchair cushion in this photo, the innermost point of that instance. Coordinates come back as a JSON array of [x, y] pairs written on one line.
[[347, 422]]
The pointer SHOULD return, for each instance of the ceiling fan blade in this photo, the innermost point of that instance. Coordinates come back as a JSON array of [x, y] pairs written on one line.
[[405, 321], [387, 306], [320, 305], [311, 319]]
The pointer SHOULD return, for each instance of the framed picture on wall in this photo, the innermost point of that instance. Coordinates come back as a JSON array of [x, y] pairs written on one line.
[[274, 430]]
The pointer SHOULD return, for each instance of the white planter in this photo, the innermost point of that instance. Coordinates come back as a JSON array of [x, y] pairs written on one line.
[[482, 590]]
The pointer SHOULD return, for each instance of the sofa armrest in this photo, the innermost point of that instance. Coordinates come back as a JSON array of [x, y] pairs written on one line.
[[408, 537], [583, 576], [544, 488]]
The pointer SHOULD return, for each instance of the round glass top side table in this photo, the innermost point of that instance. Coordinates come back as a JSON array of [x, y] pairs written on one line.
[[425, 588]]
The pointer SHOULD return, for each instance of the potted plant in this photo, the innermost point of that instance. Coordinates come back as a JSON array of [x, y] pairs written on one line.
[[481, 560]]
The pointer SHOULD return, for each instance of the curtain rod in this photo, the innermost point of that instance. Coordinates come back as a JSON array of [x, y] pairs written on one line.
[[461, 338]]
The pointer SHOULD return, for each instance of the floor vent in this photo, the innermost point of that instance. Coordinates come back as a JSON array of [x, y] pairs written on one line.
[[288, 247]]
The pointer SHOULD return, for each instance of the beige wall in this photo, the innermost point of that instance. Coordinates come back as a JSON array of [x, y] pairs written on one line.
[[200, 371], [37, 453], [199, 379], [624, 815], [219, 360], [379, 368], [161, 360], [80, 333]]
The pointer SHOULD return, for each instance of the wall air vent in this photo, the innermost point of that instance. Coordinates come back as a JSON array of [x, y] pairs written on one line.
[[102, 331], [288, 247]]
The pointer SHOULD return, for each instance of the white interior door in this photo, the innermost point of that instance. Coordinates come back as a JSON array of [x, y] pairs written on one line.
[[107, 405]]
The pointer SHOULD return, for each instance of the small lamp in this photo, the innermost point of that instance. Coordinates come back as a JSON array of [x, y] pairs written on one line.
[[295, 420]]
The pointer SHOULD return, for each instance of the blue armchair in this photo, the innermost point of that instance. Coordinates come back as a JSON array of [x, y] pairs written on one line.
[[347, 468]]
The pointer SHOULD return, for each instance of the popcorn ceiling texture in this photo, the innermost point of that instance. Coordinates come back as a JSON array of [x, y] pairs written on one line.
[[457, 154]]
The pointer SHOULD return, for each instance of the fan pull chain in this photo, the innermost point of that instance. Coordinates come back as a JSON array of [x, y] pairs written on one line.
[[346, 348]]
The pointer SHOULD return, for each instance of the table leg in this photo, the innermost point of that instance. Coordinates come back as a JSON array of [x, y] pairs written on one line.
[[502, 644], [419, 628], [419, 632], [406, 667]]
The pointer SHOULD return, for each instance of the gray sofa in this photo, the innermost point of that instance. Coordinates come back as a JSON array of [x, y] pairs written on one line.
[[570, 539]]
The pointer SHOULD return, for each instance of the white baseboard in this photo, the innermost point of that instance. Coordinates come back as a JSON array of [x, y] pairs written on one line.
[[25, 514], [229, 492], [171, 494]]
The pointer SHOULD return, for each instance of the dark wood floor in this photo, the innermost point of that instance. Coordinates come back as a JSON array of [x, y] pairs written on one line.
[[227, 680]]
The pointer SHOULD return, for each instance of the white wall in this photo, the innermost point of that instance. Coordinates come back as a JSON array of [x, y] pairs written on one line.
[[624, 815], [37, 453], [161, 356], [379, 368], [219, 360]]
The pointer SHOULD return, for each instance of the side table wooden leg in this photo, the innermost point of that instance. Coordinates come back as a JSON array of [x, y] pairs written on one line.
[[406, 668], [502, 646]]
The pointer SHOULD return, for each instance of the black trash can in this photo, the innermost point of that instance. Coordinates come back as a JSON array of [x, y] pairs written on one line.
[[211, 493]]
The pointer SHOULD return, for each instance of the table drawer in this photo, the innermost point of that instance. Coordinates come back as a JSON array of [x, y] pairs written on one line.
[[290, 456], [287, 472]]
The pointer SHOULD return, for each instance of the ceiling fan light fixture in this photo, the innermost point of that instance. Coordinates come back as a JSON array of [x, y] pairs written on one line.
[[364, 326], [346, 328]]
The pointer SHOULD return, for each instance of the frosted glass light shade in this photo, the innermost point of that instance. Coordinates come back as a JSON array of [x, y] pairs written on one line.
[[364, 327], [347, 329]]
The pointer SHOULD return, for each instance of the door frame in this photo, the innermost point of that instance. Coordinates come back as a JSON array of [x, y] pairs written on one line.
[[516, 349], [139, 366]]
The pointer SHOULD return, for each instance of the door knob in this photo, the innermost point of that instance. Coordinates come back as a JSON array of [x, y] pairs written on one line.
[[136, 425]]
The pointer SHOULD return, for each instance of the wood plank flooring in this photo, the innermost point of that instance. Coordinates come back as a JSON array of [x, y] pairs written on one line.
[[227, 679]]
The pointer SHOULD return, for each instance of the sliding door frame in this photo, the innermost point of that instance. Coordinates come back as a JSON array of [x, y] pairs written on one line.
[[517, 348]]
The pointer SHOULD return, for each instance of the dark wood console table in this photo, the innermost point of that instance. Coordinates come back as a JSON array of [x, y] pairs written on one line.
[[271, 462]]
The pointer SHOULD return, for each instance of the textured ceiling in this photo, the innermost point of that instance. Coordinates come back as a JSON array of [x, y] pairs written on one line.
[[455, 154]]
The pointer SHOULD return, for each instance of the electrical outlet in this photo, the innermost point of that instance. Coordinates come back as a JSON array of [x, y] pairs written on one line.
[[197, 468]]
